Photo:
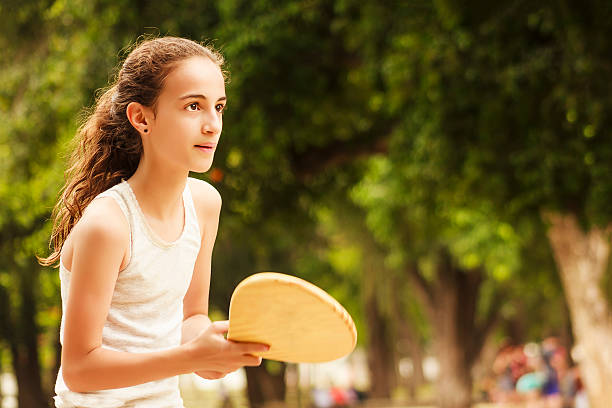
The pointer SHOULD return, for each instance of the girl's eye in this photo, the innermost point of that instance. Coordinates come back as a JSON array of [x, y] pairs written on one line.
[[220, 107], [191, 105]]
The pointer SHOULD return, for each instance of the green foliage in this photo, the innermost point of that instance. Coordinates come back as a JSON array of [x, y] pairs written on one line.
[[412, 209], [517, 94], [487, 114]]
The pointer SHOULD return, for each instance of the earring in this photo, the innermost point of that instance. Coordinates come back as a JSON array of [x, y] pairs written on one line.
[[146, 130]]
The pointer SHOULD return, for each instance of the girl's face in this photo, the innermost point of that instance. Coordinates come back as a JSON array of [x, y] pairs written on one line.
[[186, 129]]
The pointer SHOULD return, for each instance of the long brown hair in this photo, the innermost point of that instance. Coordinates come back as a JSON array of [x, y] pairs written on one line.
[[108, 148]]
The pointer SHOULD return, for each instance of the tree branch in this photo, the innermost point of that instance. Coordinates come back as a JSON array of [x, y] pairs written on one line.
[[423, 288], [317, 159], [481, 331]]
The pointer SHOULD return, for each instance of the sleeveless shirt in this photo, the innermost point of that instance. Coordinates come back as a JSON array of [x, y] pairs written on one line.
[[146, 310]]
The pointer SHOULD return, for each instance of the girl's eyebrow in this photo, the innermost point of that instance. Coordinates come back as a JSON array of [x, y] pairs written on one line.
[[223, 98]]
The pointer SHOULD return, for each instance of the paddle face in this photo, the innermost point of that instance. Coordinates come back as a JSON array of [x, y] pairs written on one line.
[[299, 321]]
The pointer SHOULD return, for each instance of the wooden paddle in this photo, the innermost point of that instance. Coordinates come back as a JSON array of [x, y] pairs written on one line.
[[299, 321]]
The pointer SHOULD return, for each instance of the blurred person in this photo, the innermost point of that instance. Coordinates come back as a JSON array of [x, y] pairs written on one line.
[[551, 390], [531, 384], [503, 389], [566, 376], [133, 235], [519, 363]]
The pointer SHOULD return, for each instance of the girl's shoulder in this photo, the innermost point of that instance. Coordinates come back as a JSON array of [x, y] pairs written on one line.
[[206, 201], [102, 221], [206, 198], [105, 212]]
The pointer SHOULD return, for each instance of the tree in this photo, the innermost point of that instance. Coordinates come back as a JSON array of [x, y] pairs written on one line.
[[66, 44], [458, 257], [317, 84], [35, 107], [518, 94], [357, 261]]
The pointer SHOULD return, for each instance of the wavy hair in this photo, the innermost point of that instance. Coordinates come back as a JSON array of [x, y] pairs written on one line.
[[108, 148]]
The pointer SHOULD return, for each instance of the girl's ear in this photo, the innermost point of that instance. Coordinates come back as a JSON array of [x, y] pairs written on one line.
[[138, 116]]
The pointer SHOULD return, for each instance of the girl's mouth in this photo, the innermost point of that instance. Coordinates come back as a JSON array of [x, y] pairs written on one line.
[[206, 146]]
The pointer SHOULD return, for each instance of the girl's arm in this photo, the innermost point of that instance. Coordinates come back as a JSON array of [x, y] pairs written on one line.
[[99, 241], [195, 304]]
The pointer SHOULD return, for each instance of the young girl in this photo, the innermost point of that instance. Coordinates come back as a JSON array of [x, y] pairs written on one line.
[[134, 235]]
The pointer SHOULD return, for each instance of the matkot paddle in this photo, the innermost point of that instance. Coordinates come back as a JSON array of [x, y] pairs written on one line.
[[299, 321]]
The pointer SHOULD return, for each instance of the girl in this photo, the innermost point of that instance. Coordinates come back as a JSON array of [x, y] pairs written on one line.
[[134, 235]]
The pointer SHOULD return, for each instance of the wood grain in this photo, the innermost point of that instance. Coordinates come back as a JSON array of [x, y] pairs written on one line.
[[299, 321]]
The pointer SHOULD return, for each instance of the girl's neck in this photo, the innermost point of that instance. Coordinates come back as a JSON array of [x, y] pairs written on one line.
[[159, 192]]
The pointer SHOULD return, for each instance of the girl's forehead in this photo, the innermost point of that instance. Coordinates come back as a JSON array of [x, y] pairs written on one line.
[[195, 75]]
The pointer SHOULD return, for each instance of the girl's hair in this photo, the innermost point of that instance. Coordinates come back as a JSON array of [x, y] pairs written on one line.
[[108, 147]]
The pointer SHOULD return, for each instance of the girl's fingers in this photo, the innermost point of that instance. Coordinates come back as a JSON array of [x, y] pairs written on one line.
[[214, 375], [210, 374], [251, 348], [220, 327], [252, 361]]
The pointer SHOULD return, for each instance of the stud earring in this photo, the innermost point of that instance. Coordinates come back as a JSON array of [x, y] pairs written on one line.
[[146, 130]]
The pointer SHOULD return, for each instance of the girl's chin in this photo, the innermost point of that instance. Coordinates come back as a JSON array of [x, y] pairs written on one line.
[[201, 168]]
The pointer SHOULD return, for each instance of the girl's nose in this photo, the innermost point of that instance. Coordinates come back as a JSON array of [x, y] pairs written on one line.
[[212, 123]]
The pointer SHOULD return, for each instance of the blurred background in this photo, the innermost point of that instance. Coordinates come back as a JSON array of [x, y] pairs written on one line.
[[442, 168]]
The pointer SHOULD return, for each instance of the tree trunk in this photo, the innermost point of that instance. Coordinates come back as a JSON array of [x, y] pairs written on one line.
[[458, 335], [381, 359], [23, 341], [454, 385], [418, 378], [30, 394], [409, 341], [263, 386], [582, 258]]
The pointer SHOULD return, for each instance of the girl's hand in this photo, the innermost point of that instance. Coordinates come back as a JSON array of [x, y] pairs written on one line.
[[217, 356]]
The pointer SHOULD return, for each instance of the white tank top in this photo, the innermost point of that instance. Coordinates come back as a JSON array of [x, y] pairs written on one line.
[[146, 310]]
